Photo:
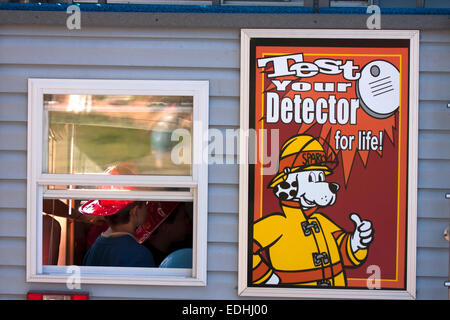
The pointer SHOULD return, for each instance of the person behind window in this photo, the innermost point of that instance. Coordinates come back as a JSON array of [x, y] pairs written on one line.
[[174, 233], [117, 246]]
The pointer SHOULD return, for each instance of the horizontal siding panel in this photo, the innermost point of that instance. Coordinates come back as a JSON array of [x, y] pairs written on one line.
[[434, 86], [223, 198], [434, 57], [434, 174], [127, 33], [431, 288], [12, 252], [438, 36], [223, 82], [222, 242], [13, 296], [195, 53], [432, 204], [223, 141], [221, 285], [13, 194], [13, 136], [222, 228], [223, 169], [426, 36], [223, 173], [224, 111], [12, 280], [434, 115], [431, 233], [13, 165], [13, 223], [434, 262], [13, 107], [222, 256], [434, 145]]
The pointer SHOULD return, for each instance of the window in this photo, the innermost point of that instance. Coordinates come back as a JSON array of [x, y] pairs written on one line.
[[109, 142]]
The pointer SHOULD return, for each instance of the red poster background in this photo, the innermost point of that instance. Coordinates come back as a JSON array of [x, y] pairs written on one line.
[[376, 184]]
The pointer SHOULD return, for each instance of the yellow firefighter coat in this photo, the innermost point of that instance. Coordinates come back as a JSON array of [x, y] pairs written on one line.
[[305, 250]]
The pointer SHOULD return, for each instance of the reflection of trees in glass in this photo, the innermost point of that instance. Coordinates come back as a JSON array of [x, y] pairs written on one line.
[[142, 100], [108, 145], [118, 128]]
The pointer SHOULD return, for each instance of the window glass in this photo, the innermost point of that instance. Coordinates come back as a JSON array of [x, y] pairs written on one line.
[[162, 239], [91, 133], [118, 189]]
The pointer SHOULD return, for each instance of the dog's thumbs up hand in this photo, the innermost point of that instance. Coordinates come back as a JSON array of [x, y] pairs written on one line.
[[356, 219], [363, 234]]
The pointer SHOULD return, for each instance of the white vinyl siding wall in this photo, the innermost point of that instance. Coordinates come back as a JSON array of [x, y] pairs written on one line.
[[194, 54]]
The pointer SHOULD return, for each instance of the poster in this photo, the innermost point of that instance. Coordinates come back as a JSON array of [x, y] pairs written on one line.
[[328, 179]]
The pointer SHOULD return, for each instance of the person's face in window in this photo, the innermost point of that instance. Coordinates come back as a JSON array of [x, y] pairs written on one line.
[[182, 225]]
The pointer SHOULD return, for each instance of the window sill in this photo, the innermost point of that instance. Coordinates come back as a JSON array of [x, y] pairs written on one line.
[[73, 275]]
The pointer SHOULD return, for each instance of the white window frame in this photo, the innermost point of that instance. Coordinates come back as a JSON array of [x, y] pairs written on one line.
[[196, 183]]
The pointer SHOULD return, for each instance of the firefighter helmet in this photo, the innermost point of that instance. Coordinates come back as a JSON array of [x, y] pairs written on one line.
[[302, 153], [158, 211]]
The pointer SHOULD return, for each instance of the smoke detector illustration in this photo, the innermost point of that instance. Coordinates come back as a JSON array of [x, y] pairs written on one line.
[[378, 89]]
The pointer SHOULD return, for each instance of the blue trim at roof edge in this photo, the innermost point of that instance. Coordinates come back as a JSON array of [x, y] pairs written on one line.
[[213, 9]]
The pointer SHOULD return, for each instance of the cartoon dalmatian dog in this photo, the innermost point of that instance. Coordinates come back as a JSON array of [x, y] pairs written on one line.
[[311, 190], [302, 246], [307, 187]]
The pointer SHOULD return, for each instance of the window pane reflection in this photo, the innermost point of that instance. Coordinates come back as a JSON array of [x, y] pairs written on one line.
[[94, 133]]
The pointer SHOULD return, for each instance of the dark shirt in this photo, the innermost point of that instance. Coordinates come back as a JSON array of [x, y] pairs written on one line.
[[122, 251], [157, 254]]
